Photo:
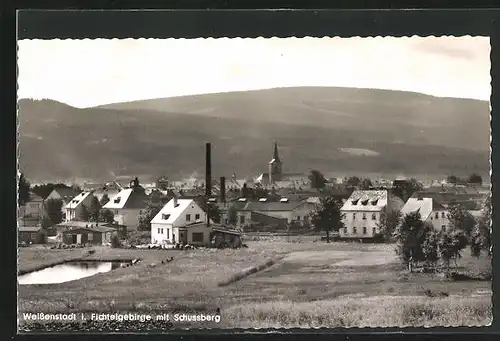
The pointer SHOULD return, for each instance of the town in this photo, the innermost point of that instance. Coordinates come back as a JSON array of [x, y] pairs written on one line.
[[180, 213]]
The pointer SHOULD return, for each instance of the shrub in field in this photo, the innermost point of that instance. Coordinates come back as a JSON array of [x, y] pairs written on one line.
[[139, 237], [450, 246]]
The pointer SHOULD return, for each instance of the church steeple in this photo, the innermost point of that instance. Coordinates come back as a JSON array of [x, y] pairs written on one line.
[[276, 156]]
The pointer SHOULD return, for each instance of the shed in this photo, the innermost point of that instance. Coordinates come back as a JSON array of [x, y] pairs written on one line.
[[93, 235], [222, 237], [28, 234]]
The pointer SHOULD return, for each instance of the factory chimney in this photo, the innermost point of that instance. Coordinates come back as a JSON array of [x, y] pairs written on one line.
[[222, 190], [208, 180]]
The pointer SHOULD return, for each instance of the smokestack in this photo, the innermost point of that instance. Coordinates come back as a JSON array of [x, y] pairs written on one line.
[[222, 189], [208, 180], [208, 173]]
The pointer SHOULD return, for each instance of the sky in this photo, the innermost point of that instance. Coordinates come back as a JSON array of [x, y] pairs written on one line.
[[85, 73]]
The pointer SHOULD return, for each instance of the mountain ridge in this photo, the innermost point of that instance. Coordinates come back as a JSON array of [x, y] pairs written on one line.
[[315, 128]]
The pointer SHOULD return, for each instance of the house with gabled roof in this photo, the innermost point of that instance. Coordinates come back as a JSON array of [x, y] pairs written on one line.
[[181, 221], [430, 210], [361, 213], [34, 207], [127, 205], [75, 207]]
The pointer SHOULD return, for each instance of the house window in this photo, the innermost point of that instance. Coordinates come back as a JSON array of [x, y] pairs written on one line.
[[160, 230], [364, 216], [364, 229], [374, 231], [168, 233], [298, 218], [345, 230], [443, 215], [197, 216], [437, 215], [90, 236], [354, 230], [242, 219], [188, 217], [197, 237], [165, 216], [354, 216], [374, 216]]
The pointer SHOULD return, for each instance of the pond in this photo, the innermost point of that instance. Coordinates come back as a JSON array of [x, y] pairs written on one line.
[[69, 271]]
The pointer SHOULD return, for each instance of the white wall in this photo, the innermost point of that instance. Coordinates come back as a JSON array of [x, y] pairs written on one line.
[[350, 222], [74, 213], [197, 229], [438, 223], [193, 210], [128, 217], [157, 237]]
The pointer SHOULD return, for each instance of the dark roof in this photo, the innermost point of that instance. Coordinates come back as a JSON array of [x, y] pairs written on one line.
[[226, 230], [137, 199], [34, 197], [258, 214], [100, 229], [67, 193], [202, 223], [272, 206]]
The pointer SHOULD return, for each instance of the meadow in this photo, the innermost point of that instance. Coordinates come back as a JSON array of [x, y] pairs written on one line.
[[302, 283]]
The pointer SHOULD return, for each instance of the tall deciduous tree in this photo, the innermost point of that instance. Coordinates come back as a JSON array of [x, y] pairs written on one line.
[[405, 189], [317, 179], [410, 238], [461, 220], [353, 181], [106, 216], [24, 190], [388, 223], [365, 184], [94, 210], [53, 209], [84, 213], [147, 214], [327, 216], [481, 236], [450, 246]]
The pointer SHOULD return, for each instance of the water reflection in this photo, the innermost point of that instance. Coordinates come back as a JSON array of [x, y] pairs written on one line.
[[68, 272]]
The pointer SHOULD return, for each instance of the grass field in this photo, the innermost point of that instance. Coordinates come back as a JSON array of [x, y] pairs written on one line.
[[311, 284]]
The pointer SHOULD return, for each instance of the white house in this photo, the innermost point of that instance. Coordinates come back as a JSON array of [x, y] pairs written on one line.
[[430, 211], [34, 208], [180, 221], [126, 206], [362, 212], [74, 208]]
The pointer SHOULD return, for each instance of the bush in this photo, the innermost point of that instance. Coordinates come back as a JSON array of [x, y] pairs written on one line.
[[115, 241], [139, 237], [41, 237]]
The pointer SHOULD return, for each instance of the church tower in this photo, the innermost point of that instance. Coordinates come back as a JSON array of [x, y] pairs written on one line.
[[275, 166]]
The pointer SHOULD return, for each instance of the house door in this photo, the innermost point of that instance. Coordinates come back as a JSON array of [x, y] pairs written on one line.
[[173, 238], [73, 239], [78, 238]]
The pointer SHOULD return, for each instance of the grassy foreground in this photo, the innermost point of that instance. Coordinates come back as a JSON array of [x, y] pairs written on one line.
[[310, 284]]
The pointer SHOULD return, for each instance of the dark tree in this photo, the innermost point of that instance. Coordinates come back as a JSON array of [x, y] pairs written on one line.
[[317, 179], [106, 216], [212, 208], [245, 192], [53, 209], [147, 214], [452, 179], [388, 223], [115, 241], [461, 220], [327, 216], [365, 184], [94, 210], [104, 200], [405, 189], [475, 179], [84, 213], [481, 236], [232, 215], [450, 246], [410, 238], [24, 190]]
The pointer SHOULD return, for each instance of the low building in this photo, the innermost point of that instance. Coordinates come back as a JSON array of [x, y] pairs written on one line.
[[97, 235], [30, 235], [170, 225], [222, 237], [362, 212]]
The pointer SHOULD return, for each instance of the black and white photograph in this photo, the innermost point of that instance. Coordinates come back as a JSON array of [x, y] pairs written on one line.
[[254, 183]]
